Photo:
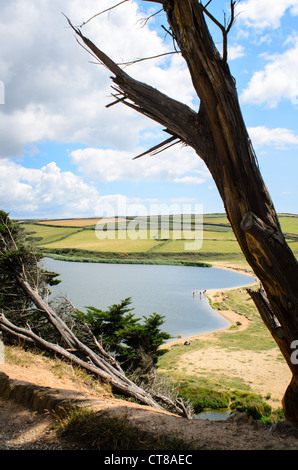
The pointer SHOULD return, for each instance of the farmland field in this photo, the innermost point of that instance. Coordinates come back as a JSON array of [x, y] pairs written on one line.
[[146, 239]]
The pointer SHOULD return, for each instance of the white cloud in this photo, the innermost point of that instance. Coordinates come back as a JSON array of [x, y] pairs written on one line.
[[108, 165], [278, 80], [190, 180], [38, 192], [52, 92], [278, 137], [235, 51], [261, 14], [49, 192]]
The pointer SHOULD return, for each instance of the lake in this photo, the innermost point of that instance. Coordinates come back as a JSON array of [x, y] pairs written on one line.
[[166, 290]]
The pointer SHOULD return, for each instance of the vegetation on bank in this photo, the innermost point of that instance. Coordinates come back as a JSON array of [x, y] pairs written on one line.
[[209, 390], [81, 256], [135, 343]]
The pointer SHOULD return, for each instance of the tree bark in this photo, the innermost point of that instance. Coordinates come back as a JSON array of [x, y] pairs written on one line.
[[219, 136]]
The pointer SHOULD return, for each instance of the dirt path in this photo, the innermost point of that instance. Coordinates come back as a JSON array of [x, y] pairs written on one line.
[[22, 429]]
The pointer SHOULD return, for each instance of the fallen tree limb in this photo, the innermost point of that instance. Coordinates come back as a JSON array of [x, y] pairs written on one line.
[[120, 385]]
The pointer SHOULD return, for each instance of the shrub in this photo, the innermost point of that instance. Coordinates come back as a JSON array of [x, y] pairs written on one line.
[[202, 399], [252, 407]]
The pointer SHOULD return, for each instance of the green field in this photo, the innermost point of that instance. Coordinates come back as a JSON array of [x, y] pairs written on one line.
[[159, 239]]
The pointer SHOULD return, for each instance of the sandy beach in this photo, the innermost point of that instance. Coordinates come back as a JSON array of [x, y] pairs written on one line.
[[266, 372]]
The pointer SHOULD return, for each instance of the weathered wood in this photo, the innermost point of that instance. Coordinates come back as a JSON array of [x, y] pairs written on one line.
[[119, 384]]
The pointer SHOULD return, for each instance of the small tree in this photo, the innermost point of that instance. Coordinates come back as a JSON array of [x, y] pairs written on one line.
[[134, 344]]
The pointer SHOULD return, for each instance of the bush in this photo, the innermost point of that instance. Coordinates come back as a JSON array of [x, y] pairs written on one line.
[[135, 342], [202, 399], [252, 407]]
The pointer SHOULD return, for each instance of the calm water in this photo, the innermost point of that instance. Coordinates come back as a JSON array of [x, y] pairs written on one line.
[[214, 415], [167, 290]]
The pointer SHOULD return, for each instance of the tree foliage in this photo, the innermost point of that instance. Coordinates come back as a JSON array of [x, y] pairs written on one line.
[[134, 343], [16, 258]]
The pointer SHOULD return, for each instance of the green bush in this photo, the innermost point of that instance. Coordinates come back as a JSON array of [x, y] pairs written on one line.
[[254, 407], [202, 399], [135, 342]]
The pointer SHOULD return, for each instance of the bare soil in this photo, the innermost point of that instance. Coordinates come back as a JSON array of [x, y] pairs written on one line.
[[23, 429]]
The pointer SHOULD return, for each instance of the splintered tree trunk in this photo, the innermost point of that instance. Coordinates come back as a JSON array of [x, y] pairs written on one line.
[[219, 136]]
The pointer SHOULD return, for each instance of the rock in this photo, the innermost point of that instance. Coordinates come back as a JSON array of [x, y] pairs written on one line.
[[238, 417], [284, 427]]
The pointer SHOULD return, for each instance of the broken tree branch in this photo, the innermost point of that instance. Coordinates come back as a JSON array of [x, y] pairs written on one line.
[[160, 147], [181, 120]]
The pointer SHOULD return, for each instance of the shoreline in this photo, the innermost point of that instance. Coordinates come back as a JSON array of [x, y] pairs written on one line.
[[229, 315], [263, 371], [142, 261]]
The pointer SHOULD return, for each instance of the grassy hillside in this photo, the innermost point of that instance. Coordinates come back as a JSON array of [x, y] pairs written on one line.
[[157, 240]]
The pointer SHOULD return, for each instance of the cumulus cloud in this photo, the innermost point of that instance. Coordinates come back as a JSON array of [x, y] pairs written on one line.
[[262, 14], [235, 51], [40, 192], [190, 180], [278, 80], [277, 137], [49, 192], [108, 165], [53, 92]]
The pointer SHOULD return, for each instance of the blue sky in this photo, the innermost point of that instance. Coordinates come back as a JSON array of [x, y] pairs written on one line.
[[64, 154]]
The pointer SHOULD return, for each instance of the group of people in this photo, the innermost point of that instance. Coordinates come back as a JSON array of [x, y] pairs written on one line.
[[196, 291]]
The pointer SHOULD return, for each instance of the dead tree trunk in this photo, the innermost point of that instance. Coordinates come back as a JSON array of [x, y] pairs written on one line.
[[219, 136]]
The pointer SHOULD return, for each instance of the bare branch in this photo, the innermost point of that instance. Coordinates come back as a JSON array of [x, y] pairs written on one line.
[[211, 17], [101, 56], [144, 21], [148, 58], [224, 29], [101, 12]]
